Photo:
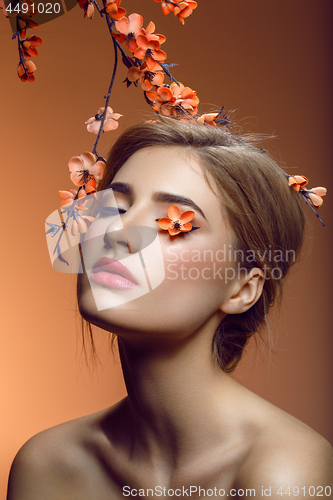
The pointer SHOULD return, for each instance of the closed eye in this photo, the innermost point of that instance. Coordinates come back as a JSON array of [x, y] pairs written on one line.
[[110, 211], [193, 227]]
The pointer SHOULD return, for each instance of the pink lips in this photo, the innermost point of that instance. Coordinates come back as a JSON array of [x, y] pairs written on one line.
[[112, 273]]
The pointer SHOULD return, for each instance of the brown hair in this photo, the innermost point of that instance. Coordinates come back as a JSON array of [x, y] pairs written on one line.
[[265, 215]]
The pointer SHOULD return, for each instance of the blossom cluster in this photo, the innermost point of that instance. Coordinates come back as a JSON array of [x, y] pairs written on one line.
[[23, 11], [143, 55]]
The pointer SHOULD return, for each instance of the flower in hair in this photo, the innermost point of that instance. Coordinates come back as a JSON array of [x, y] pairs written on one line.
[[214, 119], [110, 122], [297, 182], [207, 119], [174, 99], [315, 195], [85, 170], [176, 222], [184, 9]]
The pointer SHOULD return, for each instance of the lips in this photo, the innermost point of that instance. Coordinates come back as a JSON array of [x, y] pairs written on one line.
[[112, 273]]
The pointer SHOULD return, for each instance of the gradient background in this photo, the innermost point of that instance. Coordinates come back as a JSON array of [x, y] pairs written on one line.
[[270, 61]]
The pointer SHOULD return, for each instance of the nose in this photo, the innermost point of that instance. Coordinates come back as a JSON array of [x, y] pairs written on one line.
[[129, 234]]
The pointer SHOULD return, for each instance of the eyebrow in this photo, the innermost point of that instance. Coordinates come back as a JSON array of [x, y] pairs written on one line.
[[160, 197]]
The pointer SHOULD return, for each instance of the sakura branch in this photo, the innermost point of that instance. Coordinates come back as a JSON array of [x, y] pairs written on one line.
[[23, 11], [146, 68]]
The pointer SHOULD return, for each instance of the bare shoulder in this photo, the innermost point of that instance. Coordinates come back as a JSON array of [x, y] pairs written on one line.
[[288, 458], [53, 464]]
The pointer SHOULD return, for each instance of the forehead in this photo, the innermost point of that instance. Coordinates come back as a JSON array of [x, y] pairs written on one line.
[[168, 168]]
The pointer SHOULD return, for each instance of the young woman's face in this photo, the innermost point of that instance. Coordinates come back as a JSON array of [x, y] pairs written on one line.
[[189, 275]]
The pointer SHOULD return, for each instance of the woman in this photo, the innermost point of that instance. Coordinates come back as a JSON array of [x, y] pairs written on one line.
[[186, 427]]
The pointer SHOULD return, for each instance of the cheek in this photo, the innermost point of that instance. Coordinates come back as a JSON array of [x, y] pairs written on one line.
[[200, 264], [197, 279]]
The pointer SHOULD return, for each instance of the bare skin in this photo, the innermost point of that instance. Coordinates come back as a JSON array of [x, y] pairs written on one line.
[[185, 422], [96, 456]]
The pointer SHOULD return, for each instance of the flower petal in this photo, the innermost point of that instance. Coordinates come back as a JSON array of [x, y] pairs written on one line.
[[98, 170], [93, 126], [174, 213], [173, 232], [187, 216], [83, 228], [88, 159], [142, 42], [122, 25], [186, 227], [320, 191], [135, 22], [316, 200], [75, 164], [75, 228], [110, 124], [150, 28], [164, 223], [140, 53], [164, 93], [297, 181]]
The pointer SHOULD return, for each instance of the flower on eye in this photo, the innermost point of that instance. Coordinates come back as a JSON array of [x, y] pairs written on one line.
[[110, 122], [315, 195], [297, 182], [85, 170], [176, 222], [184, 9]]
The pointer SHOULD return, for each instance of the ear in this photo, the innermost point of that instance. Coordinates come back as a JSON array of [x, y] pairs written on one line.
[[245, 292]]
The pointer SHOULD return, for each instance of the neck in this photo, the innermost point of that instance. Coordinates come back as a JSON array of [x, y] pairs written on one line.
[[179, 399]]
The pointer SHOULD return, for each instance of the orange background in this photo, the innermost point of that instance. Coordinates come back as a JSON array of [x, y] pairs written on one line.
[[270, 61]]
